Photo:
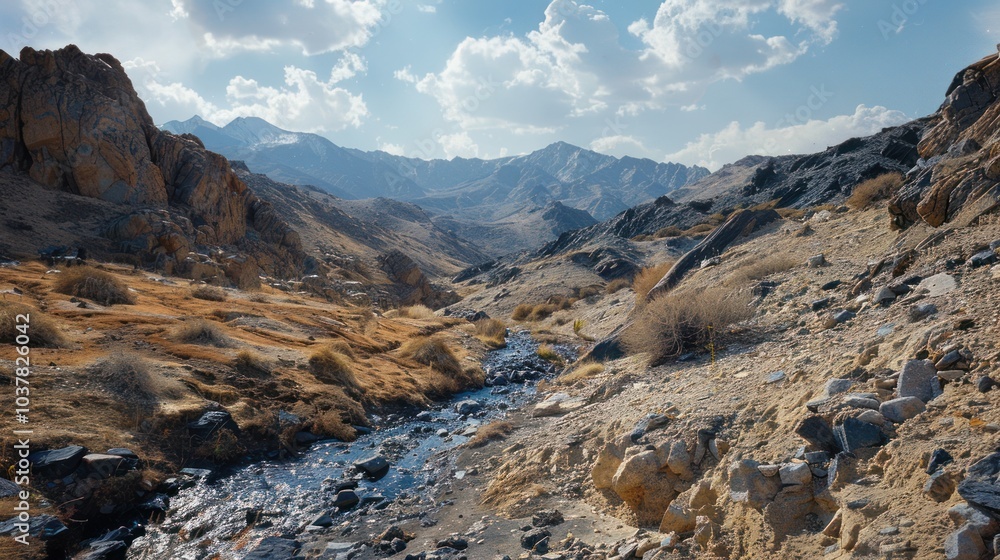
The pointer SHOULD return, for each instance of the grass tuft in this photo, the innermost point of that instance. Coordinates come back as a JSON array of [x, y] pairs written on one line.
[[200, 331], [685, 321], [334, 368], [492, 332], [648, 277], [93, 284], [880, 188], [41, 328], [209, 293], [494, 431], [549, 354]]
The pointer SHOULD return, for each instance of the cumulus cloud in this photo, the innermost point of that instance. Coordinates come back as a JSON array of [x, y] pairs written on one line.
[[226, 27], [734, 141], [574, 65], [459, 144], [620, 145], [305, 103]]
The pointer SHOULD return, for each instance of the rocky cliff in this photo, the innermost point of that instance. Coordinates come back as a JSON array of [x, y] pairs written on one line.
[[73, 122], [958, 175]]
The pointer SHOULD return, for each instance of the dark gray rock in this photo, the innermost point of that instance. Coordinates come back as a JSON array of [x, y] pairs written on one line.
[[964, 544], [817, 432], [547, 518], [918, 379], [467, 407], [530, 539], [346, 499], [902, 409], [373, 468], [274, 548], [843, 316], [817, 457], [983, 258], [820, 304], [831, 285], [8, 488], [210, 423], [455, 543], [122, 452], [980, 487], [939, 458], [854, 434], [918, 312], [105, 550], [42, 526], [984, 384], [57, 463]]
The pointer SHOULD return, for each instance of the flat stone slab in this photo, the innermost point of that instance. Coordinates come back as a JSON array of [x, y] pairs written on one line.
[[938, 285]]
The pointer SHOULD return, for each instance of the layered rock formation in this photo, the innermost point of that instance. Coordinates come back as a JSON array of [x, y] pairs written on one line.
[[74, 122], [958, 176]]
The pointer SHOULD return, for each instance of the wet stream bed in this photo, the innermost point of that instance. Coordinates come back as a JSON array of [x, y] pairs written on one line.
[[228, 517]]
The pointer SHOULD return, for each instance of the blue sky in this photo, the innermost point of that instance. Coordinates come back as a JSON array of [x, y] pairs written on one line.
[[696, 81]]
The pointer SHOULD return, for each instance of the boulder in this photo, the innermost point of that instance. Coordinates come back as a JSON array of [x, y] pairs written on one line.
[[374, 468], [345, 499], [57, 463], [749, 486], [795, 474], [901, 409], [608, 460], [467, 407], [919, 379], [854, 434], [964, 544], [980, 487], [530, 539], [644, 486], [547, 518], [271, 548], [817, 432], [209, 425]]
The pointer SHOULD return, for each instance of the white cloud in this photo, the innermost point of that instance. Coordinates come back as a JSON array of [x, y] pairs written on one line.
[[573, 66], [734, 141], [459, 144], [405, 74], [306, 103], [692, 108], [226, 27], [620, 145], [427, 8], [390, 148]]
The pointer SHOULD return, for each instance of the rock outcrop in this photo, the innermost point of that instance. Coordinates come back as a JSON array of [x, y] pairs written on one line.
[[412, 284], [958, 175], [74, 122]]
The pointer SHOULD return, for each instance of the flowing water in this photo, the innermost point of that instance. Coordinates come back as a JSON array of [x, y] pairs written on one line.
[[211, 518]]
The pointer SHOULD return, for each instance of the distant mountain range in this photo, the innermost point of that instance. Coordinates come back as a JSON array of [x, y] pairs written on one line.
[[474, 197]]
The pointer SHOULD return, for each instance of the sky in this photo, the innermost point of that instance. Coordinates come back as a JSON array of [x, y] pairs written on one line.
[[699, 82]]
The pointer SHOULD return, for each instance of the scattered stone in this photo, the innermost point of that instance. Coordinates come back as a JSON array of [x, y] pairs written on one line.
[[648, 423], [832, 528], [820, 304], [530, 539], [918, 312], [901, 409], [964, 544], [817, 432], [373, 468], [884, 296], [57, 463], [42, 526], [984, 384], [547, 518], [980, 487], [831, 285], [983, 258], [861, 402], [966, 514], [748, 485], [346, 499], [455, 543], [872, 417], [854, 434], [467, 407], [679, 460], [816, 261], [939, 458], [950, 375], [8, 488], [211, 423], [919, 379], [795, 474], [940, 486], [776, 377], [995, 273], [817, 457], [843, 316], [274, 547], [885, 330], [938, 285], [836, 387], [322, 520]]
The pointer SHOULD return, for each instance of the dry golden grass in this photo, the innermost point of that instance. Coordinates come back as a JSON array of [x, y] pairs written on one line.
[[433, 352], [223, 448], [200, 331], [763, 268], [209, 293], [252, 364], [581, 371], [332, 367], [617, 285], [91, 283], [421, 312], [41, 328], [669, 231], [879, 188], [494, 431], [492, 332], [342, 347], [791, 213], [131, 378], [549, 354], [685, 321], [648, 277]]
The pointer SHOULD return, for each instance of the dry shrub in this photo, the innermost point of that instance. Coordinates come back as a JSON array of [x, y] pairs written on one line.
[[542, 311], [585, 292], [549, 354], [252, 364], [342, 347], [258, 298], [879, 188], [669, 231], [791, 213], [203, 332], [209, 293], [537, 312], [130, 377], [494, 431], [521, 312], [334, 368], [580, 371], [617, 285], [763, 268], [492, 332], [97, 285], [685, 321], [223, 448], [413, 312], [41, 328], [698, 230], [649, 277], [433, 352], [336, 415]]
